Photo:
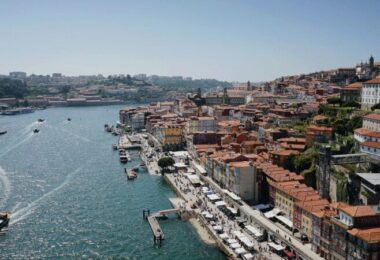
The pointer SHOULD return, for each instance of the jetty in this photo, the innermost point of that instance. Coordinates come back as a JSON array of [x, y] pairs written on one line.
[[125, 143], [158, 234]]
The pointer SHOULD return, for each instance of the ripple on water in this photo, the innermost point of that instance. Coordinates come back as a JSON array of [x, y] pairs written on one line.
[[66, 208]]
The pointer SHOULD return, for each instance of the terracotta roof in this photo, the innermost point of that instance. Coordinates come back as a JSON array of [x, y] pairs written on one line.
[[372, 117], [358, 211], [319, 128], [366, 132], [319, 117], [370, 235], [285, 152], [373, 81], [371, 144], [354, 86]]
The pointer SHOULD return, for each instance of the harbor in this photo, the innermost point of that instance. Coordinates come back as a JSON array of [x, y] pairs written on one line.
[[88, 207]]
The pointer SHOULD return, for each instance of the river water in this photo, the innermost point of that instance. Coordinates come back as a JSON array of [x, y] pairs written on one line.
[[69, 197]]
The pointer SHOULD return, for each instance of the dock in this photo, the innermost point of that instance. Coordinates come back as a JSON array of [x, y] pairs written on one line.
[[158, 235]]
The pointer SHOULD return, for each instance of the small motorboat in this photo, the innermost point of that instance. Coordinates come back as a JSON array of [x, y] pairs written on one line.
[[114, 146], [136, 169], [36, 131], [69, 119], [3, 132], [40, 120], [142, 164], [131, 174], [4, 220]]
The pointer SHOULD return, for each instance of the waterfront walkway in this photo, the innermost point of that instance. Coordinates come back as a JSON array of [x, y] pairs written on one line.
[[280, 232]]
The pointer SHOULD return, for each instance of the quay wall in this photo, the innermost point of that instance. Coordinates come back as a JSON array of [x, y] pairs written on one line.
[[202, 221]]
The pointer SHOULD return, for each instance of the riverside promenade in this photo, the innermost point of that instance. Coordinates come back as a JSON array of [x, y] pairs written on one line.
[[257, 217]]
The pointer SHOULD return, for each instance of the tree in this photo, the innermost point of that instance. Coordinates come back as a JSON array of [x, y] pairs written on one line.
[[376, 106], [165, 162], [13, 88], [334, 100]]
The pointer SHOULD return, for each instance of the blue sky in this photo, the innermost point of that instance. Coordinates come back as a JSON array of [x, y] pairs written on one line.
[[232, 40]]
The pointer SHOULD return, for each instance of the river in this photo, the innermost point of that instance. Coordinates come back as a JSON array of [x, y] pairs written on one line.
[[69, 197]]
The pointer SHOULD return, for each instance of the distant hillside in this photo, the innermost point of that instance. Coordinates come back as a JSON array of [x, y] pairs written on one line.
[[171, 83], [10, 88]]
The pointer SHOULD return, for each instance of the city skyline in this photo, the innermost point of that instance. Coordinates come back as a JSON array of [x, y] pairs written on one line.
[[215, 39]]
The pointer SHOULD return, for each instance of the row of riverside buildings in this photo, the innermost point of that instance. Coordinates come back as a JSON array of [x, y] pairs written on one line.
[[247, 147]]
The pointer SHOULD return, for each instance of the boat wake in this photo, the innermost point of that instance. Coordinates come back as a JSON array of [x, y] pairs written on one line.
[[29, 127], [14, 146], [6, 187], [24, 212]]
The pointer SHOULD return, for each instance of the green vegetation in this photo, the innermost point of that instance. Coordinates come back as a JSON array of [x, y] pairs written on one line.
[[376, 106], [305, 164], [165, 162], [10, 88], [171, 83]]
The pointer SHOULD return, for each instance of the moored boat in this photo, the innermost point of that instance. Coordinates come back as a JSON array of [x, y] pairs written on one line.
[[131, 174], [40, 120], [124, 158], [36, 131], [4, 220]]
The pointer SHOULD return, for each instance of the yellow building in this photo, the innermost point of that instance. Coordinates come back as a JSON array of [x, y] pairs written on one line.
[[170, 136]]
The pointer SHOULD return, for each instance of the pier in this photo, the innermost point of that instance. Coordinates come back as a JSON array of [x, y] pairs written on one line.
[[158, 235]]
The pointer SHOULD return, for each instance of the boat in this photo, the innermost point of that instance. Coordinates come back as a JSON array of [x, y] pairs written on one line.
[[40, 120], [36, 131], [18, 111], [69, 119], [124, 158], [142, 164], [3, 132], [4, 220], [131, 174], [114, 146], [136, 169]]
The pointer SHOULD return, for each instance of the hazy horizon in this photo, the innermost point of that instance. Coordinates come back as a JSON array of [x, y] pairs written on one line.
[[224, 40]]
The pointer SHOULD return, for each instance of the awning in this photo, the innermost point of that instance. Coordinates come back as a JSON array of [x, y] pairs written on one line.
[[289, 253], [232, 210], [213, 197], [220, 203], [205, 213], [200, 169], [248, 256], [285, 221], [275, 246], [254, 231], [224, 236], [272, 213], [243, 238], [231, 241], [209, 216], [180, 165], [194, 179], [235, 245], [217, 228], [240, 251]]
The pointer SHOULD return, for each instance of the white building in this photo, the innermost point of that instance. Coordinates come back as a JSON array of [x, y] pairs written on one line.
[[241, 180], [369, 135], [371, 93]]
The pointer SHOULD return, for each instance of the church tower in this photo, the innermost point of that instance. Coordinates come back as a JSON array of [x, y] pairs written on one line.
[[371, 62]]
